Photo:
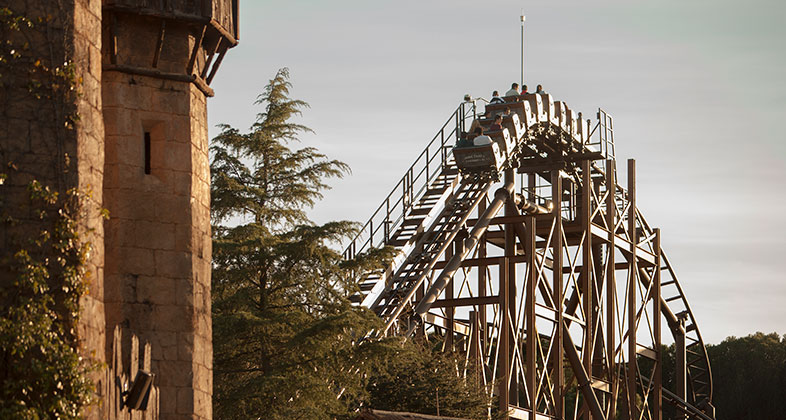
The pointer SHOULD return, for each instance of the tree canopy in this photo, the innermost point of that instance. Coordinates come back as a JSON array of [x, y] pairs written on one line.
[[284, 330], [287, 340], [749, 377]]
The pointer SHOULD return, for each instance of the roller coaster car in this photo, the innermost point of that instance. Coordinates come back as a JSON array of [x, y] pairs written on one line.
[[479, 159]]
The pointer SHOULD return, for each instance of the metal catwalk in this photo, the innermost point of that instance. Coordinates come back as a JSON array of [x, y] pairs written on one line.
[[541, 270]]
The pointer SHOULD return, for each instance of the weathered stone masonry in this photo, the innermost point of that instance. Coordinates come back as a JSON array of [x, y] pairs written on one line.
[[141, 148]]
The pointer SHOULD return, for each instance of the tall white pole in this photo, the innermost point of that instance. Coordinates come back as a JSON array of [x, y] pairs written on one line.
[[522, 47]]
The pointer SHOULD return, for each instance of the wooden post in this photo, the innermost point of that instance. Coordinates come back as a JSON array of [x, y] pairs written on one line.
[[632, 286], [529, 312], [510, 253], [657, 403], [611, 287], [681, 368], [504, 345], [556, 241], [450, 311], [475, 354], [586, 274], [482, 284]]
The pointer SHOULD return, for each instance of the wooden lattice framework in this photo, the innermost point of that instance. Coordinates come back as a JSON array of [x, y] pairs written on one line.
[[547, 285]]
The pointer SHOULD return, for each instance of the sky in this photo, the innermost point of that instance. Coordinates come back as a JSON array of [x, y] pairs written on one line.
[[696, 90]]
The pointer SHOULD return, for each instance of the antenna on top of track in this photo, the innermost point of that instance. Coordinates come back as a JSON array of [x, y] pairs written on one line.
[[523, 18]]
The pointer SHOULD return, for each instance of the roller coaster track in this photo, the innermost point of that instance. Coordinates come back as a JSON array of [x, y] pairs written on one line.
[[576, 261]]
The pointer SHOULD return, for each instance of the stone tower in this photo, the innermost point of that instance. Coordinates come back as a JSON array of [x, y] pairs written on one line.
[[140, 147], [158, 59]]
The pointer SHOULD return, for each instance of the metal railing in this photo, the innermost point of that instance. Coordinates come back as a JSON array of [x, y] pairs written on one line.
[[429, 164], [606, 134]]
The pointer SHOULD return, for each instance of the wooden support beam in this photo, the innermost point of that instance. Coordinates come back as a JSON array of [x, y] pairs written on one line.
[[586, 273], [611, 287], [503, 346], [681, 367], [510, 251], [210, 56], [529, 313], [559, 350], [482, 284], [657, 402], [466, 301], [450, 313], [180, 77], [159, 43], [220, 58], [632, 370], [474, 350], [195, 50]]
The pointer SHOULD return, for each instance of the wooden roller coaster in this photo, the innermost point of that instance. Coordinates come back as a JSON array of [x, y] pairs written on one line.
[[529, 257]]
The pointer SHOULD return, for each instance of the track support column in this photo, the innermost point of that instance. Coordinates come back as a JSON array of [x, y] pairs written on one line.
[[657, 403], [556, 241], [681, 368], [529, 311], [482, 319], [586, 275], [632, 286], [510, 254], [504, 344], [611, 287]]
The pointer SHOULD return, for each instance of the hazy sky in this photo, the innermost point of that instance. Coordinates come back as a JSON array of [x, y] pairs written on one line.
[[697, 90]]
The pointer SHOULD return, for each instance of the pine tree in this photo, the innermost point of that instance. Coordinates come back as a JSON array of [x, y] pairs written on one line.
[[286, 339], [284, 330]]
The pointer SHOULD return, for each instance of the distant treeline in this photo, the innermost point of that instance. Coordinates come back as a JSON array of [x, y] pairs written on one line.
[[749, 377]]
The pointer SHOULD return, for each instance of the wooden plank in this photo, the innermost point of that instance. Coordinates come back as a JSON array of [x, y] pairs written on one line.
[[467, 301], [195, 50], [159, 43]]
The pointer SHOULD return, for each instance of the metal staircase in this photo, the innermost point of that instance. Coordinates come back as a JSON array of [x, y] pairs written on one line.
[[416, 201], [429, 247]]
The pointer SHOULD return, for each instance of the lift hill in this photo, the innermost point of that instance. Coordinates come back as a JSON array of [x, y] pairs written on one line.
[[557, 264]]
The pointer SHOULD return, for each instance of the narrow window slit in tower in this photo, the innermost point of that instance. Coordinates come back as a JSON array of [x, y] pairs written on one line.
[[147, 153]]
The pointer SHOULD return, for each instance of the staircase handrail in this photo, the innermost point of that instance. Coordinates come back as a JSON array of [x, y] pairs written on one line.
[[406, 189]]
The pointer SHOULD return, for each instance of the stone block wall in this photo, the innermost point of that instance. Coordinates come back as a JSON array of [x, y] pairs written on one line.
[[140, 149], [35, 141], [90, 169], [158, 233]]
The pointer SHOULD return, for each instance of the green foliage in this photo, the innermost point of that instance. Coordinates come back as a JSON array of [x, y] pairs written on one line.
[[280, 183], [42, 374], [285, 334], [286, 339], [749, 377], [422, 379], [42, 275], [44, 76]]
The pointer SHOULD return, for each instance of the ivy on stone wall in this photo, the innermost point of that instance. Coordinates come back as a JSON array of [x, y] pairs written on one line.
[[42, 256], [42, 374]]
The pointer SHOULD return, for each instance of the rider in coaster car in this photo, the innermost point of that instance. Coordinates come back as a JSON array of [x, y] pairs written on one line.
[[495, 99], [480, 138], [463, 140], [497, 124]]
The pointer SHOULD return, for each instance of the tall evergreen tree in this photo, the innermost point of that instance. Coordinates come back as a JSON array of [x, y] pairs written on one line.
[[286, 338], [284, 330]]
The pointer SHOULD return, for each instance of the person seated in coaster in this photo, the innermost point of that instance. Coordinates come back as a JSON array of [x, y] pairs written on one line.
[[480, 138], [524, 90], [463, 140], [514, 90], [540, 90], [497, 124], [495, 99]]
